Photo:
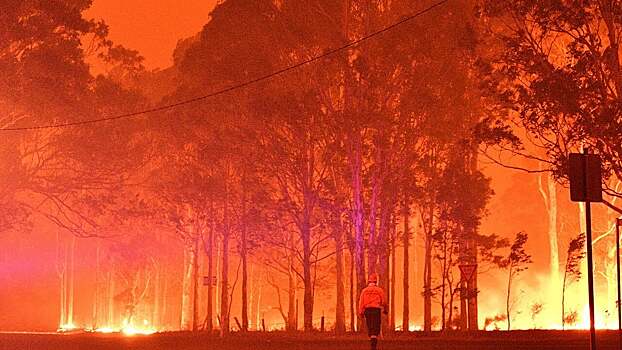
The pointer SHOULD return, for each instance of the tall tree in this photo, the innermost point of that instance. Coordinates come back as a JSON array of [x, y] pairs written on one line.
[[563, 104], [406, 265], [548, 191]]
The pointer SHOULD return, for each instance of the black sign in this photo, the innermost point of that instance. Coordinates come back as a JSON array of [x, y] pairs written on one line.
[[585, 178]]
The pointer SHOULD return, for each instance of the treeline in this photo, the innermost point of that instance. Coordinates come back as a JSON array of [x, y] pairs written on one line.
[[323, 162], [329, 162]]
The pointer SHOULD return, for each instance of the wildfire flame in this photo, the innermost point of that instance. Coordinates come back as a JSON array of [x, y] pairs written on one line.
[[130, 329], [413, 327], [104, 330], [67, 327]]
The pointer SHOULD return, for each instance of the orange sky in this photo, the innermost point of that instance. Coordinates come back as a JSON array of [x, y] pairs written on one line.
[[152, 27]]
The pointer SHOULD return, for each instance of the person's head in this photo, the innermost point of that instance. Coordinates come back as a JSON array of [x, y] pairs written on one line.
[[373, 278]]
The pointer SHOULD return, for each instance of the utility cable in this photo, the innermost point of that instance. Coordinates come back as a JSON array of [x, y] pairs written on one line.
[[326, 53]]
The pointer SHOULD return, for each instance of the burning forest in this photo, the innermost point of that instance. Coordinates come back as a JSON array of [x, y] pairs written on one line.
[[255, 167]]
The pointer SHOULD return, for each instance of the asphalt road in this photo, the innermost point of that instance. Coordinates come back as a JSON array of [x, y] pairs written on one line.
[[515, 340]]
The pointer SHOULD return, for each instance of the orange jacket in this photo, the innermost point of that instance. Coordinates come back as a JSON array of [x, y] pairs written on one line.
[[371, 297]]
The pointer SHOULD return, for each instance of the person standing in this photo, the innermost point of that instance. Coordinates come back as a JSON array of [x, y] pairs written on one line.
[[371, 303]]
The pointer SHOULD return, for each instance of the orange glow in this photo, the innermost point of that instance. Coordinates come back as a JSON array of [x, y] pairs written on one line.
[[138, 270], [152, 27]]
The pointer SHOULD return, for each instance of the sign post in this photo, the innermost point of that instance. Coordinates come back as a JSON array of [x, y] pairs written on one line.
[[467, 272], [618, 222], [586, 186]]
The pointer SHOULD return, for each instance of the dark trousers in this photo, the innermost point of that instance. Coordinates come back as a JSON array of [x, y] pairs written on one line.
[[372, 318]]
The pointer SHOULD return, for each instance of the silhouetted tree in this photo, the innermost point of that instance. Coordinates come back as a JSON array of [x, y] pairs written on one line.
[[572, 271], [554, 68], [516, 262]]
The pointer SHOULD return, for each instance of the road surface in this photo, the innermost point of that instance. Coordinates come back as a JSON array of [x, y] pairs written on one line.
[[515, 340]]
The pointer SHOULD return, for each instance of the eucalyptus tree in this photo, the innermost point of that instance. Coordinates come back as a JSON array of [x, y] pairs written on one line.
[[553, 68], [515, 262], [572, 270], [46, 80], [76, 176], [284, 119]]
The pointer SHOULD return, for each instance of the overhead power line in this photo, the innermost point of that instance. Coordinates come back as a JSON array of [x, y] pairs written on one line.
[[326, 53]]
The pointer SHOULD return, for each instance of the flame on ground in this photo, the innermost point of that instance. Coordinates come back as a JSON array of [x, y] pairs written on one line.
[[414, 327], [104, 330], [67, 327], [128, 329]]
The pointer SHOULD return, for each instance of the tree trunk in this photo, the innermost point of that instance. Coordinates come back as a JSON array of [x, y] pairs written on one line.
[[443, 258], [507, 299], [357, 253], [63, 299], [164, 320], [94, 321], [61, 269], [352, 301], [308, 282], [393, 273], [218, 272], [451, 306], [209, 326], [224, 286], [257, 314], [374, 249], [292, 315], [358, 211], [195, 283], [612, 285], [254, 293], [383, 255], [244, 256], [386, 281], [427, 270], [473, 291], [464, 322], [72, 278], [111, 292], [553, 245], [549, 196], [356, 144], [406, 284], [251, 297], [186, 294], [582, 224], [473, 255], [157, 297], [564, 298], [340, 317], [449, 263]]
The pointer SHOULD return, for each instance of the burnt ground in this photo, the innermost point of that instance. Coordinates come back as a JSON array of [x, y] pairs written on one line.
[[536, 339]]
